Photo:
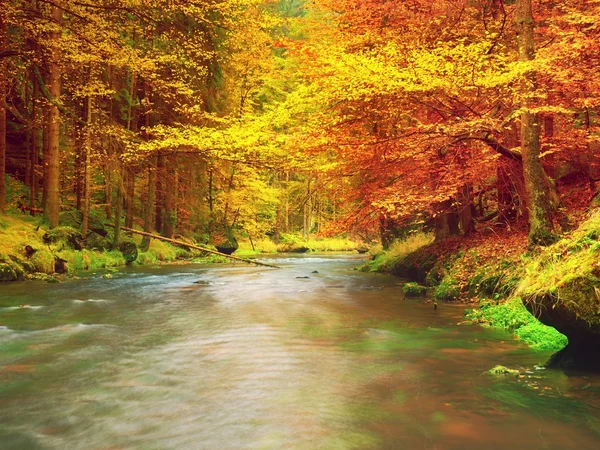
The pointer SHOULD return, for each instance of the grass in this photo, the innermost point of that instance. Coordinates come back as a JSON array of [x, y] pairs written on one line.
[[384, 260]]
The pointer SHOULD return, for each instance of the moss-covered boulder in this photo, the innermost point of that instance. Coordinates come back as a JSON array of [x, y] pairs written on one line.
[[67, 236], [290, 243], [561, 287], [412, 289], [224, 240], [129, 251], [7, 272]]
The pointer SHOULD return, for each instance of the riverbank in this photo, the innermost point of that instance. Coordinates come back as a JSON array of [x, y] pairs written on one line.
[[28, 250], [531, 293]]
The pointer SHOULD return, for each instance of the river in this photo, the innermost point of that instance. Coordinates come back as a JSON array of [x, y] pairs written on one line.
[[315, 355]]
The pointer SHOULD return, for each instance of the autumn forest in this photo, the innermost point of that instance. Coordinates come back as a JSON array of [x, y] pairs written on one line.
[[330, 116], [300, 224]]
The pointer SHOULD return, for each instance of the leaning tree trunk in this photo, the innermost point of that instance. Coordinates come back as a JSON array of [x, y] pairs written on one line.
[[537, 186], [52, 209]]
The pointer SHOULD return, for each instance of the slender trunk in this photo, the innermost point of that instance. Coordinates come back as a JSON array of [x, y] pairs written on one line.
[[118, 207], [287, 202], [170, 196], [129, 196], [108, 191], [87, 148], [537, 187], [149, 213], [3, 76], [35, 138], [160, 192], [52, 209]]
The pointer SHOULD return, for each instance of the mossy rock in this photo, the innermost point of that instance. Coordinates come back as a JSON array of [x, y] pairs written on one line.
[[561, 286], [412, 289], [129, 251], [7, 272], [362, 248], [224, 240], [43, 261], [503, 370], [95, 241], [65, 235]]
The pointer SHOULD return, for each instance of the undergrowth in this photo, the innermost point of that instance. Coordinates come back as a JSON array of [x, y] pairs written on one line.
[[384, 260]]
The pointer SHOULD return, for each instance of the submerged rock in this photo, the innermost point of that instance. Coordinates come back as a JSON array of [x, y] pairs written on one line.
[[503, 370]]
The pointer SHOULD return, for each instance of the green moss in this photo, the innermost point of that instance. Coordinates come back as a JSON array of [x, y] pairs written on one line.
[[513, 316], [503, 370], [412, 289], [7, 273], [43, 261]]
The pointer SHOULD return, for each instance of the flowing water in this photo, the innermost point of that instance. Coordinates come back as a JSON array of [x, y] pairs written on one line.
[[239, 357]]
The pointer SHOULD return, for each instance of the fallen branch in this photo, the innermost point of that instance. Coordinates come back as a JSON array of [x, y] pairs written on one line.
[[195, 247]]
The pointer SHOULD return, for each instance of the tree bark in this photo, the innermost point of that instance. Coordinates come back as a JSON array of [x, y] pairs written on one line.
[[52, 159], [3, 76], [87, 148], [537, 187], [149, 213]]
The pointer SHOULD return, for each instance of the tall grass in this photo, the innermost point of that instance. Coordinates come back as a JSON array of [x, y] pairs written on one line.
[[384, 259]]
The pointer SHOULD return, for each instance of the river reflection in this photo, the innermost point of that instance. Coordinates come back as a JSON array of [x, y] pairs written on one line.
[[237, 357]]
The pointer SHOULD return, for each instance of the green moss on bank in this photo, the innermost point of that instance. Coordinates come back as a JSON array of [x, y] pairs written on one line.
[[566, 275], [512, 315]]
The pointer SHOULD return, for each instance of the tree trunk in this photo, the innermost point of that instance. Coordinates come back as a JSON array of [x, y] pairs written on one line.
[[87, 176], [465, 208], [118, 207], [129, 196], [149, 213], [35, 138], [170, 197], [3, 76], [446, 221], [159, 178], [52, 159], [537, 187]]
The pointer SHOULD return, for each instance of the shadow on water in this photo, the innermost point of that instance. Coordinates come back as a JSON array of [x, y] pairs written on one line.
[[312, 356]]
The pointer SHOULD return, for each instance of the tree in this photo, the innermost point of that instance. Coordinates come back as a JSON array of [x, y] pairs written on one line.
[[3, 78], [539, 202], [52, 158]]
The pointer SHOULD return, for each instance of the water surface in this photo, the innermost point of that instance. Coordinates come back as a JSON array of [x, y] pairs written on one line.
[[240, 357]]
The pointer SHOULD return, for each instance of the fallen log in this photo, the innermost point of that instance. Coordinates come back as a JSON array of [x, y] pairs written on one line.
[[195, 247]]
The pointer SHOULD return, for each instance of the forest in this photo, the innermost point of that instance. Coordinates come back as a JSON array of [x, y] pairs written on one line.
[[267, 117], [413, 184], [475, 121]]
